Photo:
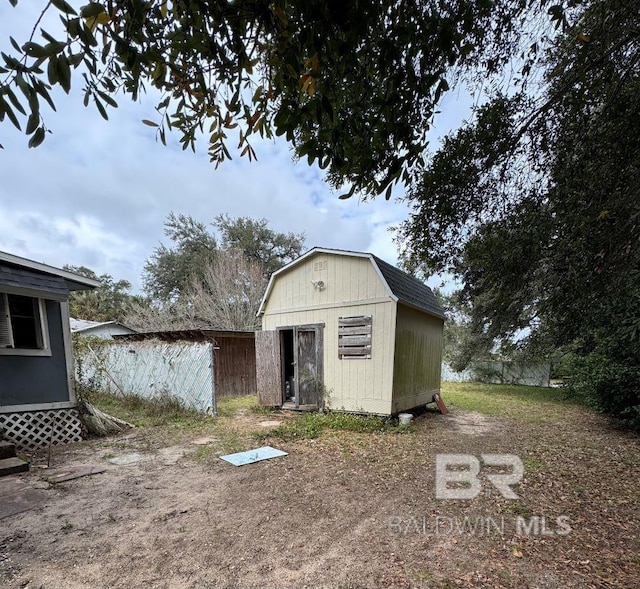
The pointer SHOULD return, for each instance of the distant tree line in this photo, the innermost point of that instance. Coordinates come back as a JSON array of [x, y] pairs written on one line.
[[207, 277]]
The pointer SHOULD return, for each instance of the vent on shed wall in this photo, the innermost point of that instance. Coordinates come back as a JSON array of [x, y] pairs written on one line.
[[354, 337], [320, 265]]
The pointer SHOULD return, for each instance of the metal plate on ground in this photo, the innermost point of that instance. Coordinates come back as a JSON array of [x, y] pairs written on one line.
[[251, 456]]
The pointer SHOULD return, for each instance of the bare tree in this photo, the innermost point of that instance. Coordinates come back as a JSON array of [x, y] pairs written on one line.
[[160, 317], [229, 294], [226, 295]]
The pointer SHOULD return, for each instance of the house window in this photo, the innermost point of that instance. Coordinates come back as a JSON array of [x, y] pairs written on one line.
[[354, 337], [22, 323]]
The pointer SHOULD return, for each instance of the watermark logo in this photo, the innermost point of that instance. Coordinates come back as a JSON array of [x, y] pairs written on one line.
[[461, 476], [457, 475], [479, 525]]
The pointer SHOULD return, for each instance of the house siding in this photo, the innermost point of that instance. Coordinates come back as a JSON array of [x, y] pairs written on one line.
[[351, 287], [346, 279], [26, 380], [418, 358]]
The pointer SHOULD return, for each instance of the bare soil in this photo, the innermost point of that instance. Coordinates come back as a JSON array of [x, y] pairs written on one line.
[[343, 510]]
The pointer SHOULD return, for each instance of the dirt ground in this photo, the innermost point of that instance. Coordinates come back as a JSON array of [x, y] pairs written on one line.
[[342, 510]]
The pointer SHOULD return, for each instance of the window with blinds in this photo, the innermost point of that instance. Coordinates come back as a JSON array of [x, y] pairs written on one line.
[[354, 337], [20, 323], [6, 336]]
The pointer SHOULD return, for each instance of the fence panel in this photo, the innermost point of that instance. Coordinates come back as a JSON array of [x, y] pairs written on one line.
[[150, 369], [535, 374]]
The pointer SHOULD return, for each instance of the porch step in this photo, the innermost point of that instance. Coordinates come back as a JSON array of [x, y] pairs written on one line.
[[7, 449], [12, 465]]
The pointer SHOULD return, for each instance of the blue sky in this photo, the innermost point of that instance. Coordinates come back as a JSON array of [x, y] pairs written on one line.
[[96, 193]]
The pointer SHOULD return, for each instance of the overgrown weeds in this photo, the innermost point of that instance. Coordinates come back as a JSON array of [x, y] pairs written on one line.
[[310, 425], [161, 409]]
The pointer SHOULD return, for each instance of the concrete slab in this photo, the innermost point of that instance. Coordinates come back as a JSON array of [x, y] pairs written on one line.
[[126, 459], [16, 496]]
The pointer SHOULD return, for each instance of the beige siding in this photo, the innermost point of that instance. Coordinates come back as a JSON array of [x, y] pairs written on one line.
[[418, 358], [352, 287], [346, 279], [362, 385]]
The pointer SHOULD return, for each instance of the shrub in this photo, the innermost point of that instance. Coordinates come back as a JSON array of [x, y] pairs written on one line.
[[608, 384]]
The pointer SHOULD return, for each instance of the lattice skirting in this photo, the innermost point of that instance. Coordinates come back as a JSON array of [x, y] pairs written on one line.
[[34, 429]]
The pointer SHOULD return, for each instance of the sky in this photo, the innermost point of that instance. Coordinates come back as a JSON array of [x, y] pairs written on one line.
[[96, 193]]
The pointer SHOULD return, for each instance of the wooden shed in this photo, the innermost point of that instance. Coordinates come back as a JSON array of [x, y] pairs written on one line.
[[347, 331]]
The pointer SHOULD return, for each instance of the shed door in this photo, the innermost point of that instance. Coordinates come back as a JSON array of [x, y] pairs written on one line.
[[308, 364], [268, 373]]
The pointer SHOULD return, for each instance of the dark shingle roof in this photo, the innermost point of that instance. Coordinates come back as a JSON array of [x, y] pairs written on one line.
[[72, 280], [33, 281], [409, 290]]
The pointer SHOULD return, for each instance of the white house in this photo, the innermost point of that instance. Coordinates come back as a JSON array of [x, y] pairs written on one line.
[[103, 330]]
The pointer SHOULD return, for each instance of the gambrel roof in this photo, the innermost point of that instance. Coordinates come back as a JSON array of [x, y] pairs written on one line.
[[401, 286], [408, 289]]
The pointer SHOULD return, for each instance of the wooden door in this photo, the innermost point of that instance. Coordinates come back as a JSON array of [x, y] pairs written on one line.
[[268, 368], [308, 367]]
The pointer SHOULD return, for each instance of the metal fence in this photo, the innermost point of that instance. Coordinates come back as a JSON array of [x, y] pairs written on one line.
[[535, 374], [152, 369]]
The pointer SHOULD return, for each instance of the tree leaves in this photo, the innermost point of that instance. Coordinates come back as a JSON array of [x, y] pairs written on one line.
[[37, 138], [534, 206], [352, 89]]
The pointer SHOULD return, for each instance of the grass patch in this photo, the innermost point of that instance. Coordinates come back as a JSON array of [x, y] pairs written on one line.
[[529, 404], [164, 419], [161, 410], [230, 406], [310, 425]]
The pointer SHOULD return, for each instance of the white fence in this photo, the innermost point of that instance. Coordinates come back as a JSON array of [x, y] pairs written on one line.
[[532, 374], [152, 369]]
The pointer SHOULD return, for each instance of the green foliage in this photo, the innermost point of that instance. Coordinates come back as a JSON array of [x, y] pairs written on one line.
[[352, 86], [260, 244], [534, 205], [310, 425], [171, 271], [168, 271], [109, 302], [460, 342], [608, 383]]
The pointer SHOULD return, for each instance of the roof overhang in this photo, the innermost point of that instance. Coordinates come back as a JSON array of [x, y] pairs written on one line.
[[73, 281]]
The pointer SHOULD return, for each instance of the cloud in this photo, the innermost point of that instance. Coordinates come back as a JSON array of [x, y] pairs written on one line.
[[96, 193]]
